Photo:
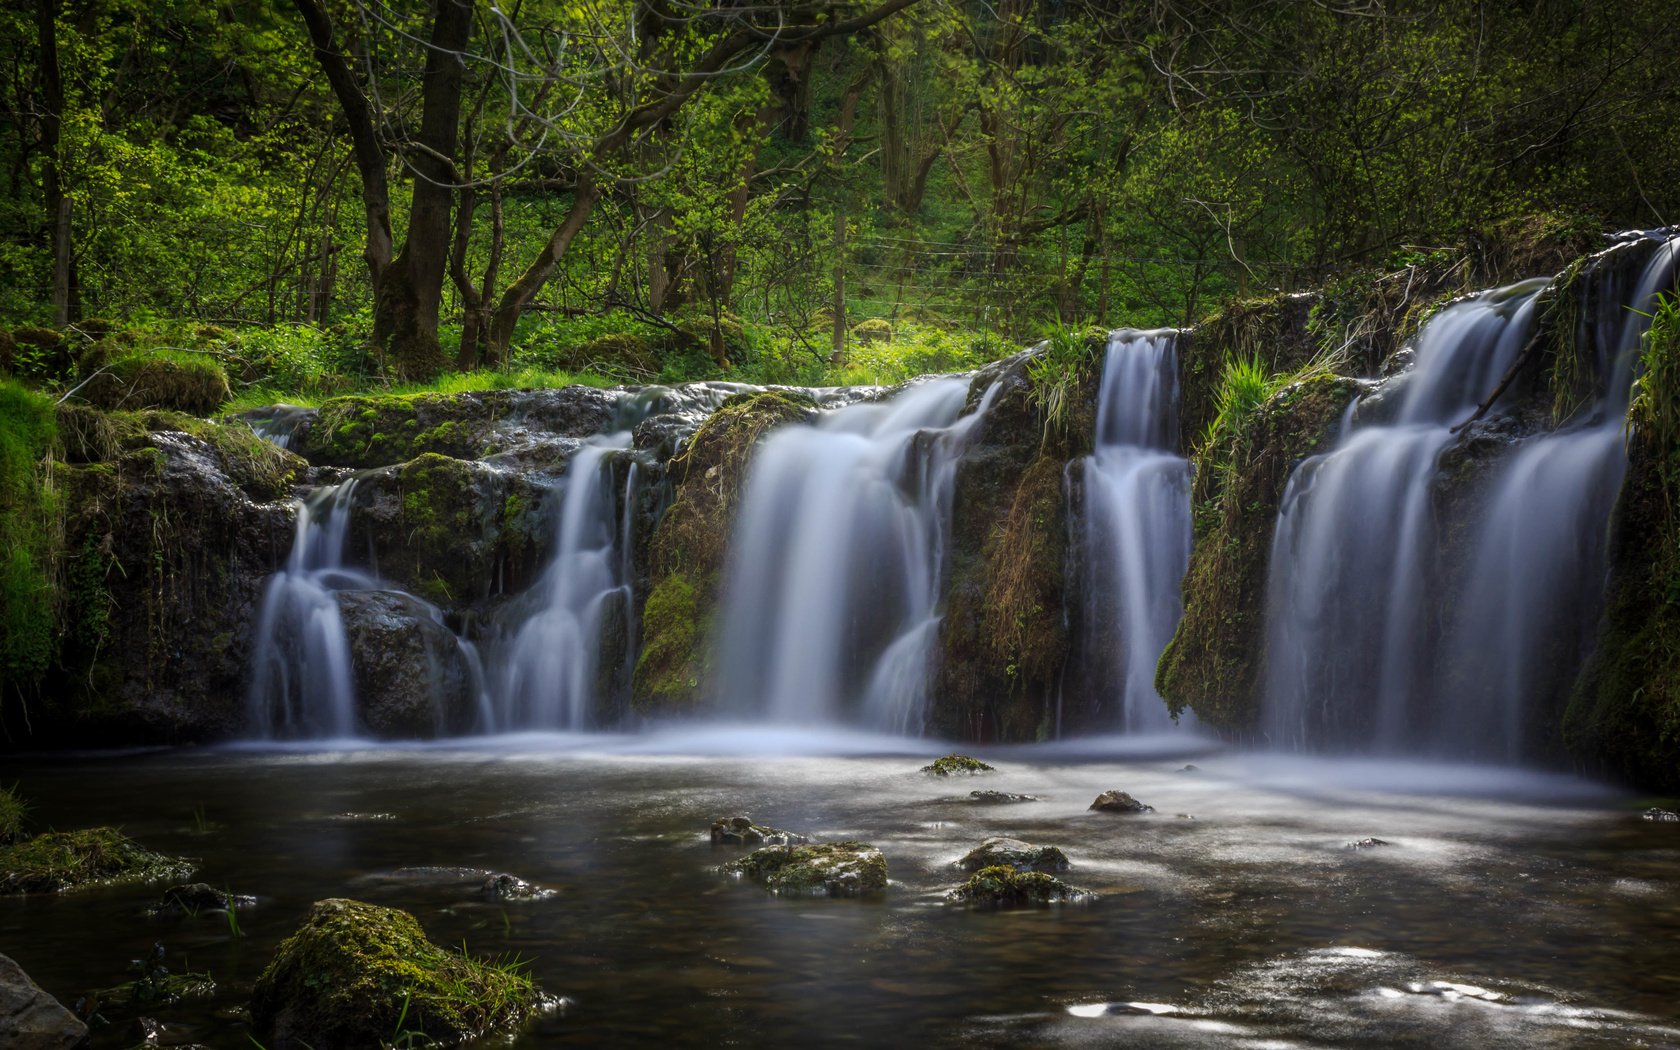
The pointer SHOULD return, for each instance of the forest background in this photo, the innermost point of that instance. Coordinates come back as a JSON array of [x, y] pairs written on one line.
[[323, 196]]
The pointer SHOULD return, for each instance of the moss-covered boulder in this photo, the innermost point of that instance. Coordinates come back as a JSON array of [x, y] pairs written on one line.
[[356, 975], [59, 861], [1013, 853], [160, 379], [955, 765], [741, 831], [832, 869], [1003, 640], [1212, 666], [1118, 802], [1003, 886], [688, 547]]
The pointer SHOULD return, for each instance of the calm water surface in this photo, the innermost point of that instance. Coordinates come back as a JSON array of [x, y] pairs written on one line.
[[1510, 910]]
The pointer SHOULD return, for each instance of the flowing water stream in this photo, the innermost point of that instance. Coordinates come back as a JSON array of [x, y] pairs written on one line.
[[1508, 910]]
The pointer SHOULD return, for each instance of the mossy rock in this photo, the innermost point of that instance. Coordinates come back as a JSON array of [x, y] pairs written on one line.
[[357, 975], [1212, 666], [615, 352], [1118, 802], [59, 861], [834, 869], [689, 545], [874, 330], [174, 381], [1002, 886], [1013, 853], [954, 765], [261, 469]]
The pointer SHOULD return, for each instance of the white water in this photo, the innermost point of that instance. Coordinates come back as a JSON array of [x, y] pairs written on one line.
[[1137, 525], [548, 669], [831, 603], [1537, 572], [301, 684], [1349, 617]]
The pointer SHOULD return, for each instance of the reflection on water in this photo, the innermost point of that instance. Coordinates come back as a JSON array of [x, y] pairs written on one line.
[[1507, 911]]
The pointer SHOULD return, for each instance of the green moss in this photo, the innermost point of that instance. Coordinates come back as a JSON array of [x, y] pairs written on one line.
[[31, 524], [439, 506], [1212, 665], [67, 860], [1002, 886], [667, 671], [687, 551], [358, 975], [834, 869], [163, 379], [1624, 714], [956, 765], [12, 812]]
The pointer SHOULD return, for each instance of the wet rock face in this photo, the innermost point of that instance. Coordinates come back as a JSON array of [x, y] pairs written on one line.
[[836, 869], [30, 1019], [1118, 802], [355, 973], [1003, 886], [1013, 853], [999, 798], [741, 831], [412, 678]]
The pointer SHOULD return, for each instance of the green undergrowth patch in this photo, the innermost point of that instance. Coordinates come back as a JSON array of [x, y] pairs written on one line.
[[33, 531], [161, 378], [13, 811], [57, 861]]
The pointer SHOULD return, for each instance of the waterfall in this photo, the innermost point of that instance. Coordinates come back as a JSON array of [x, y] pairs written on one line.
[[549, 667], [831, 601], [301, 685], [1349, 616], [1137, 523], [1526, 618]]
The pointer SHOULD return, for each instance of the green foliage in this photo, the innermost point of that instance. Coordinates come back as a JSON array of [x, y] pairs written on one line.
[[1056, 372], [1243, 387], [167, 379], [29, 520], [13, 810], [57, 861]]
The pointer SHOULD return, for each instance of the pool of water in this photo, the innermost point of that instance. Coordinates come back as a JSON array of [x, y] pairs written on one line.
[[1508, 910]]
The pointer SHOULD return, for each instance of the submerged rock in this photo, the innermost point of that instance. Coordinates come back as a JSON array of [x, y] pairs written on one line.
[[1013, 853], [30, 1019], [1660, 815], [355, 975], [192, 898], [505, 887], [1369, 843], [741, 831], [1119, 802], [998, 798], [154, 985], [956, 765], [58, 861], [1003, 886], [836, 869]]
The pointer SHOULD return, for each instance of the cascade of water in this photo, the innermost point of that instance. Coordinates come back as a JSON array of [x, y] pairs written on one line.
[[1349, 624], [832, 594], [548, 668], [1137, 522], [301, 683], [1538, 564]]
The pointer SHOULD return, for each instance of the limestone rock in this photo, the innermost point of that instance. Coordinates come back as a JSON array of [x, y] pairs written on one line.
[[30, 1019]]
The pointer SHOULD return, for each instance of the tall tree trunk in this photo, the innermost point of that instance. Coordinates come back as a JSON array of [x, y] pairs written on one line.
[[521, 292], [57, 203], [405, 318]]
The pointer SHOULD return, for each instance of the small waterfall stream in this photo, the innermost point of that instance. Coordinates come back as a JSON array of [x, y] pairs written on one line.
[[1137, 523], [301, 683], [549, 666], [831, 606]]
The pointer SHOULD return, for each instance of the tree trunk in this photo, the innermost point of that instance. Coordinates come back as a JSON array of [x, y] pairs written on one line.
[[405, 318], [522, 291], [58, 205]]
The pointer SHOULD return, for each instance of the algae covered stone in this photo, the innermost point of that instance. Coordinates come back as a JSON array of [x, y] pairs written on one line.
[[1013, 853], [1003, 886], [1119, 802], [66, 860], [834, 869], [956, 765], [357, 975]]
